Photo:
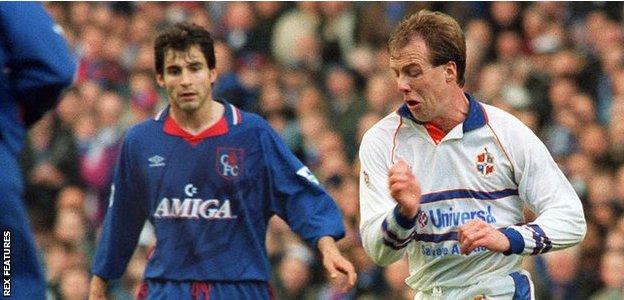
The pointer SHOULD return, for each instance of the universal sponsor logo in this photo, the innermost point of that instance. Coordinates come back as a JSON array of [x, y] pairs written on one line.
[[6, 263], [442, 218]]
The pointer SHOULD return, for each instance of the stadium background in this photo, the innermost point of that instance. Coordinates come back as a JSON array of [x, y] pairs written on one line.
[[318, 71]]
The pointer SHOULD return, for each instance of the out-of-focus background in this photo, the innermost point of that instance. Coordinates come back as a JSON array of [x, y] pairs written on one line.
[[318, 71]]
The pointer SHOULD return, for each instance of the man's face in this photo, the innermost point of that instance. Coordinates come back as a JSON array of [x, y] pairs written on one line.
[[187, 79], [423, 86]]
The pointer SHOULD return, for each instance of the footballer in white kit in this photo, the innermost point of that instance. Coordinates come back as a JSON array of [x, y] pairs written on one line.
[[473, 165]]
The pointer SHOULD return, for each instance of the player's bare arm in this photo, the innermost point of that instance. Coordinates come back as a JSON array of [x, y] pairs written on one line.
[[335, 263], [404, 189], [478, 233], [97, 289]]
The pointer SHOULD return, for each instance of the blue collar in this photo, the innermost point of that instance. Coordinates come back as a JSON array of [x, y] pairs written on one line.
[[476, 114]]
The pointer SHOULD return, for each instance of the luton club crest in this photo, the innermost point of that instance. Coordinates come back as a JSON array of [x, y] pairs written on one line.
[[230, 162], [485, 163]]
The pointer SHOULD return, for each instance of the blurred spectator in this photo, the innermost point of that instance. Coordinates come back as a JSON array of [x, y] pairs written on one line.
[[97, 158], [71, 197], [71, 227], [49, 163], [394, 276], [290, 27], [347, 105], [381, 95], [612, 276], [239, 22], [561, 269], [229, 84], [293, 274], [56, 262], [74, 284], [337, 31], [143, 99], [505, 15], [267, 13]]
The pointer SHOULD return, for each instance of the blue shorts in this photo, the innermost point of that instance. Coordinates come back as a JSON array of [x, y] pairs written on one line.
[[200, 290], [26, 277]]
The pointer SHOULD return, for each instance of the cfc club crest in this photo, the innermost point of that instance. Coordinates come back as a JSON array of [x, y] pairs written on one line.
[[230, 162], [485, 163]]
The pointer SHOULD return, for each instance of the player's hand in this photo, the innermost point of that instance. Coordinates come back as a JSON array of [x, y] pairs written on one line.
[[97, 289], [404, 189], [478, 233], [335, 263]]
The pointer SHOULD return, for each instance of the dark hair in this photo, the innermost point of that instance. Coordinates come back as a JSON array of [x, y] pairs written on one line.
[[180, 37], [442, 34]]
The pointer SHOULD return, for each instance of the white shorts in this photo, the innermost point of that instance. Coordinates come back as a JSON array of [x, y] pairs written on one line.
[[516, 286]]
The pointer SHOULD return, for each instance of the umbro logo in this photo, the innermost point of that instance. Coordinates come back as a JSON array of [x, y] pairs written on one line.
[[156, 161]]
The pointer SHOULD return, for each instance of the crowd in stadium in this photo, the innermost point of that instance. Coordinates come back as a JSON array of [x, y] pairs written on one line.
[[318, 72]]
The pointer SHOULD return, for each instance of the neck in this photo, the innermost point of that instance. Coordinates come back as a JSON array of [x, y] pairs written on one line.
[[199, 120], [456, 112]]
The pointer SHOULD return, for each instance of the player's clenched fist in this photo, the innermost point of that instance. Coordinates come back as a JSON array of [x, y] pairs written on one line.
[[404, 189], [478, 233]]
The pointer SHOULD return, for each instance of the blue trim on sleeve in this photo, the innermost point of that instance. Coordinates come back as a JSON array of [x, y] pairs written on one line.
[[522, 286], [392, 240], [516, 241], [404, 222], [542, 242]]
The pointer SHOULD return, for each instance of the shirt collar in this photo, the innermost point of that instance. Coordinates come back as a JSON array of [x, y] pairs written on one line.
[[232, 114], [476, 117], [231, 117]]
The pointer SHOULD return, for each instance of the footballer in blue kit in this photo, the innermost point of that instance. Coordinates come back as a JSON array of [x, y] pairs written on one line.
[[208, 176], [36, 65]]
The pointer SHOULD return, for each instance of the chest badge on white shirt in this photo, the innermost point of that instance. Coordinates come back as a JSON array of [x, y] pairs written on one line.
[[485, 163]]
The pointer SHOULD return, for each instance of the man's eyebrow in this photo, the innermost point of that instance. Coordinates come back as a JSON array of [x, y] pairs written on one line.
[[396, 66], [411, 65]]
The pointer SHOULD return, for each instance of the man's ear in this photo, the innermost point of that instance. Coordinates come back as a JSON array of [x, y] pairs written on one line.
[[160, 80], [450, 71], [212, 75]]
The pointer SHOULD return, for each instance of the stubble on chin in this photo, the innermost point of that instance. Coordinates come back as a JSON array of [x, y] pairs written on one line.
[[420, 116], [188, 107]]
